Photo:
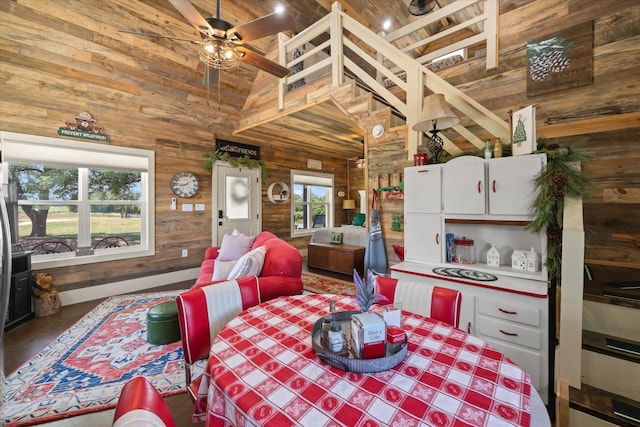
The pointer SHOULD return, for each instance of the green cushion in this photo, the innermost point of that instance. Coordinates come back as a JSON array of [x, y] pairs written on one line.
[[359, 219]]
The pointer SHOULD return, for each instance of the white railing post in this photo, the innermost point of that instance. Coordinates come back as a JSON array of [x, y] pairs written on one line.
[[491, 33], [337, 58], [415, 95], [282, 83]]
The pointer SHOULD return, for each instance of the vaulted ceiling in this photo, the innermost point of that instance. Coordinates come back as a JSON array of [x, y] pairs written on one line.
[[179, 59]]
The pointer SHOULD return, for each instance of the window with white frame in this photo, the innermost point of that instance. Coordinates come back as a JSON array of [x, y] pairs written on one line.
[[79, 202], [312, 201]]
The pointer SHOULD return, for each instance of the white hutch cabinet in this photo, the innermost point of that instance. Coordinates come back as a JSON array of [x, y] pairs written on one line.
[[488, 201]]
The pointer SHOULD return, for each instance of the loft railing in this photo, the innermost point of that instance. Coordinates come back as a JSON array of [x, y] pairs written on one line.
[[348, 45]]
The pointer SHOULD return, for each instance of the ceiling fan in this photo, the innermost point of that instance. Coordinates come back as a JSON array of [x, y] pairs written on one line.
[[222, 45]]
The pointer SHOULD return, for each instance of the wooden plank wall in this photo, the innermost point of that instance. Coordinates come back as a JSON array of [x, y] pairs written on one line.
[[605, 115], [57, 60]]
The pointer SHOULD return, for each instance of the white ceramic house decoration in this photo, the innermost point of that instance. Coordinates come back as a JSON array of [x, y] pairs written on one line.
[[493, 257], [532, 261], [519, 260]]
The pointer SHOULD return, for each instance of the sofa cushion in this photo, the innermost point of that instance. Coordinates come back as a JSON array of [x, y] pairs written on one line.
[[250, 264], [359, 219], [234, 246], [222, 269], [281, 259]]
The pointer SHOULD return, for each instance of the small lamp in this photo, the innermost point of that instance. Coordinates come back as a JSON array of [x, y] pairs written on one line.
[[436, 116], [348, 204]]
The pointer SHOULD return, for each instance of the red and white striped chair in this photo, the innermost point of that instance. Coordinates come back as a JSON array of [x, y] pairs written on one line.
[[140, 405], [437, 302], [204, 311]]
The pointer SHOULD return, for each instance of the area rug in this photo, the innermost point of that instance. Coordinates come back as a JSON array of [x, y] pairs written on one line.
[[320, 284], [85, 368]]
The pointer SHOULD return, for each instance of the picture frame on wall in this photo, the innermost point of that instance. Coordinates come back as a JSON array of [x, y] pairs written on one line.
[[523, 134]]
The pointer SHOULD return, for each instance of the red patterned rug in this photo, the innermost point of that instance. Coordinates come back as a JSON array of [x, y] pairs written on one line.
[[85, 368], [319, 284]]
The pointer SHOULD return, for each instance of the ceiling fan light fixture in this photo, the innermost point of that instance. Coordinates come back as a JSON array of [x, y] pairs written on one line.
[[218, 53]]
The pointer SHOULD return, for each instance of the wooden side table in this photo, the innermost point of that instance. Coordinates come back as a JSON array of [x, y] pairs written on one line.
[[338, 258]]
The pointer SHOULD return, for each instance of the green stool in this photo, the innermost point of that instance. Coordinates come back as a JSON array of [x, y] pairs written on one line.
[[162, 323]]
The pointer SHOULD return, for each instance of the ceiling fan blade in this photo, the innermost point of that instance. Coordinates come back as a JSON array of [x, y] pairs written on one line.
[[192, 15], [262, 27], [262, 63], [137, 33]]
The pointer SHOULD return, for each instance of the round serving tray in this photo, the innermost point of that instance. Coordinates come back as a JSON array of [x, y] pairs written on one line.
[[351, 363]]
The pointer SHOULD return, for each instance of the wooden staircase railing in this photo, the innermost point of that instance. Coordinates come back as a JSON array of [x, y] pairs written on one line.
[[348, 45]]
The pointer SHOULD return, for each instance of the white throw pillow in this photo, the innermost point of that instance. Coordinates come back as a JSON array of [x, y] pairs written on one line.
[[221, 269], [249, 265]]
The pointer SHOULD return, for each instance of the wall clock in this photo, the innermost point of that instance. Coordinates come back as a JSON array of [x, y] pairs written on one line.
[[184, 184]]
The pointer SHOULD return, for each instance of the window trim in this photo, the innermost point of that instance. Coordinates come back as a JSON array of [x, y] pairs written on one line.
[[309, 180], [15, 145]]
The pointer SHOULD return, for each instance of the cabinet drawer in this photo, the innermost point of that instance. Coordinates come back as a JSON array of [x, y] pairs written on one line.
[[509, 331], [511, 310]]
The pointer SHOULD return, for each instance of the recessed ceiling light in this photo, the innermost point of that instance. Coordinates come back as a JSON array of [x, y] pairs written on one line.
[[279, 8], [386, 24]]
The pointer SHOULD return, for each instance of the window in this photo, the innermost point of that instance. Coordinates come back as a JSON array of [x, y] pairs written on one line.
[[79, 202], [312, 202]]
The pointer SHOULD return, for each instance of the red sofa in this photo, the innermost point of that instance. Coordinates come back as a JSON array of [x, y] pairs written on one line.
[[281, 273]]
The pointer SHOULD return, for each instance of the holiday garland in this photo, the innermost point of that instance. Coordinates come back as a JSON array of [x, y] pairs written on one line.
[[561, 177], [244, 161]]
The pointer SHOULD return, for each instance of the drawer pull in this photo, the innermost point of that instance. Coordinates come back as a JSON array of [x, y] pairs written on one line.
[[423, 171], [502, 310], [437, 238], [511, 334], [479, 186], [469, 327], [493, 185]]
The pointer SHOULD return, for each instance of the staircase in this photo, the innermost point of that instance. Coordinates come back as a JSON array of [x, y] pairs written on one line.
[[349, 48], [610, 390]]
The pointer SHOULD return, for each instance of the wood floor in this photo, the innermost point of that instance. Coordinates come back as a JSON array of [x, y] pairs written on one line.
[[25, 341]]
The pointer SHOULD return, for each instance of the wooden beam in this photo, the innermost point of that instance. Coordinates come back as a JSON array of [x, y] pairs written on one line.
[[591, 125]]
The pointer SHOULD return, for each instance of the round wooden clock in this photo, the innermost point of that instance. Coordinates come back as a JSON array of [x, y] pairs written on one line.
[[184, 184]]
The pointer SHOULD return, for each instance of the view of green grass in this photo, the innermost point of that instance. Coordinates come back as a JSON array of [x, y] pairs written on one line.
[[101, 225]]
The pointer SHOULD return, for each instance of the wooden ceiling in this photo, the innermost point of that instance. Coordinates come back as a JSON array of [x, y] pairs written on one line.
[[179, 61]]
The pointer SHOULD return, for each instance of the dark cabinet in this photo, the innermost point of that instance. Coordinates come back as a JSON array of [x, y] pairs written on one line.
[[20, 299]]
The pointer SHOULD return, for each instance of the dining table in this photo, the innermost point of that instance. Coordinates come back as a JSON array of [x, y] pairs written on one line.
[[263, 371]]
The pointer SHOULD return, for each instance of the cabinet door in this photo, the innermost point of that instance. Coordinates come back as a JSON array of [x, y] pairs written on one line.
[[511, 184], [423, 238], [422, 189], [464, 186]]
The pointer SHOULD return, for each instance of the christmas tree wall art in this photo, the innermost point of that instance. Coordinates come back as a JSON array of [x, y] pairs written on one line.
[[523, 135]]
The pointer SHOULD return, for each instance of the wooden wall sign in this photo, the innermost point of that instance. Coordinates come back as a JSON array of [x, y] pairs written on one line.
[[561, 60], [237, 149], [83, 126], [394, 196]]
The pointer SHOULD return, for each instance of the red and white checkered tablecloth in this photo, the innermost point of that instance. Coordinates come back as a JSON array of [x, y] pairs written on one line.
[[265, 373]]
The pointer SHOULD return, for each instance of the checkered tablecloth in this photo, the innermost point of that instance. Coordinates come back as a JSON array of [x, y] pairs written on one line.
[[264, 372]]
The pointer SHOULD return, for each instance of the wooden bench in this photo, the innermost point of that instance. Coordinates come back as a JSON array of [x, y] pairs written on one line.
[[338, 258]]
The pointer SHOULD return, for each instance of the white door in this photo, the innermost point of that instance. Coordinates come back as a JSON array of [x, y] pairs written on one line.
[[237, 201]]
